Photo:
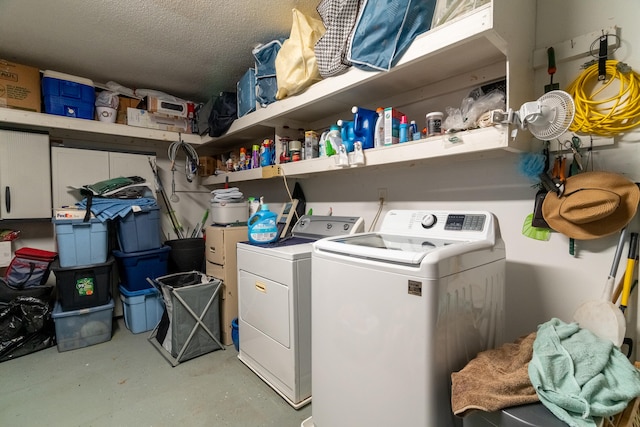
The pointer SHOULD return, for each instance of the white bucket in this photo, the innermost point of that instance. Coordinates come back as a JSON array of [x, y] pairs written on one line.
[[106, 114]]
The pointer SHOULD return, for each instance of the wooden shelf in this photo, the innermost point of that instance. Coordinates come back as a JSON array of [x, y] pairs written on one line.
[[68, 127]]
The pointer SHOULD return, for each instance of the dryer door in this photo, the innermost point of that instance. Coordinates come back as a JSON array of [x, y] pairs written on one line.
[[264, 304]]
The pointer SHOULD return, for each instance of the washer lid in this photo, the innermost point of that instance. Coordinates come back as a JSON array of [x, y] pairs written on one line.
[[385, 247]]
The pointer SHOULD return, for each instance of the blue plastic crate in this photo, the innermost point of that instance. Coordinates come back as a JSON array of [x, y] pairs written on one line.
[[142, 309], [140, 230], [135, 267], [67, 95], [81, 243]]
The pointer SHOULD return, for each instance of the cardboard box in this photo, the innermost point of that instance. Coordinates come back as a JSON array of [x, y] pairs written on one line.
[[206, 166], [168, 108], [19, 86], [145, 119], [123, 104], [392, 119]]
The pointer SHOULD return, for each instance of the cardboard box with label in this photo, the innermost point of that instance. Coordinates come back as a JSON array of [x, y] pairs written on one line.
[[123, 104], [145, 119], [19, 86]]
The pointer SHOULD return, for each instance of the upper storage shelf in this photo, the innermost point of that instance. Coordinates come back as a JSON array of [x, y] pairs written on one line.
[[492, 42], [67, 127]]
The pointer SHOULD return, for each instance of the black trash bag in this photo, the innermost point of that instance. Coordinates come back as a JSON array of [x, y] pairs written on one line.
[[223, 113], [26, 326]]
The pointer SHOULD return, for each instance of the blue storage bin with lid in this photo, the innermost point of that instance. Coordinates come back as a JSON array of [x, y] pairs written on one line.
[[67, 95], [135, 267], [84, 327], [140, 229], [142, 309], [80, 242]]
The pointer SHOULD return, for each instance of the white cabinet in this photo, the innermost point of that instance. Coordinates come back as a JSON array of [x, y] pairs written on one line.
[[25, 175], [75, 167]]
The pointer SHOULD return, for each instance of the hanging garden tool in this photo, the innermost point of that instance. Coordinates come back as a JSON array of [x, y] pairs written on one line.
[[601, 316], [551, 57]]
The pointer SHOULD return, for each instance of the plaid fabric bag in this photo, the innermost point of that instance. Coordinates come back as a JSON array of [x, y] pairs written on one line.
[[339, 17]]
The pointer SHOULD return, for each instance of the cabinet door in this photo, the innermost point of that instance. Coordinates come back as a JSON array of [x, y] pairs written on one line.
[[130, 164], [73, 168], [25, 175]]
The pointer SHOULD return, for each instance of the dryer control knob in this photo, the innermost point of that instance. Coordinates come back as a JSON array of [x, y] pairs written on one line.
[[429, 221]]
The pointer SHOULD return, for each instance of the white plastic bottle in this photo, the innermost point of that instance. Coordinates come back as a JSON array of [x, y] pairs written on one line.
[[378, 137], [334, 140]]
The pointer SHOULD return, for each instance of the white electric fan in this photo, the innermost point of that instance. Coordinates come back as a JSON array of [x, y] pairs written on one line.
[[547, 118]]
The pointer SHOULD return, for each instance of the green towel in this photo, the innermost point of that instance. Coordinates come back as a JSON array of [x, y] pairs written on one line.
[[578, 376]]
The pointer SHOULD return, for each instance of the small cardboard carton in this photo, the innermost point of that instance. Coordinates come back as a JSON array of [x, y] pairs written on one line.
[[19, 86]]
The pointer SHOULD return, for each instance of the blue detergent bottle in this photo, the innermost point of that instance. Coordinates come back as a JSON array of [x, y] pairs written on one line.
[[364, 125], [347, 134], [262, 226]]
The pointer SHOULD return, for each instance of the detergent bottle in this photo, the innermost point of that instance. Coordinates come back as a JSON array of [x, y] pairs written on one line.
[[262, 226], [347, 134], [378, 138], [364, 123]]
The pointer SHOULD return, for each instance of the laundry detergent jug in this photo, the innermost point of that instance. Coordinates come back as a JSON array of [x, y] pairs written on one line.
[[347, 134], [364, 125], [262, 225]]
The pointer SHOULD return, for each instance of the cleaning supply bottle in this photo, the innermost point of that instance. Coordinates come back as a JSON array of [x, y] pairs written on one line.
[[378, 138], [347, 134], [334, 140], [265, 153], [364, 124], [255, 156], [322, 145], [404, 130], [414, 135], [262, 226]]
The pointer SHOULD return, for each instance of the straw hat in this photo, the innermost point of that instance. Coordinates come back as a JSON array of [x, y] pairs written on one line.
[[594, 204]]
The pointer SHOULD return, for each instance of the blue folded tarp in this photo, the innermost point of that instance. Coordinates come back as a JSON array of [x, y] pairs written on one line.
[[106, 208]]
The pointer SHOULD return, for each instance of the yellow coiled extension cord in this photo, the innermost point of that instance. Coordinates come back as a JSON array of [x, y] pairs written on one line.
[[607, 116]]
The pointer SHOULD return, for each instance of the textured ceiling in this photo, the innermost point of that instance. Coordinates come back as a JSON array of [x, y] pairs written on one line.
[[191, 49]]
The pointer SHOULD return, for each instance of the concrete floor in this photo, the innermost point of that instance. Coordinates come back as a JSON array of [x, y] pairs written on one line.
[[127, 382]]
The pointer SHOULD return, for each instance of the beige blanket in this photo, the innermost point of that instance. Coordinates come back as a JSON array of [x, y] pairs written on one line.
[[495, 379]]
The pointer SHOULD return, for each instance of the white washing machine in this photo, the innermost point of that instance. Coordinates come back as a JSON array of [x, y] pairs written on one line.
[[396, 311], [274, 305]]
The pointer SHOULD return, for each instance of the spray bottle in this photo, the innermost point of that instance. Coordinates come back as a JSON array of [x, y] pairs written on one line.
[[404, 130], [378, 138]]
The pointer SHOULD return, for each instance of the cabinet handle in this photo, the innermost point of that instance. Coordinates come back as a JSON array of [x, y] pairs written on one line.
[[7, 198]]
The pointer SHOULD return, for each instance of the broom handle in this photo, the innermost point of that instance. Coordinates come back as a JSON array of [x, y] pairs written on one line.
[[608, 288]]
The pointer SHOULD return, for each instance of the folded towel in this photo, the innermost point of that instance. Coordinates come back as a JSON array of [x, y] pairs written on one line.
[[578, 376], [495, 379], [227, 195]]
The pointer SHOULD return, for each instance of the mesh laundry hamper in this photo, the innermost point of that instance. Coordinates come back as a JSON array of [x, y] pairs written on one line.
[[190, 324]]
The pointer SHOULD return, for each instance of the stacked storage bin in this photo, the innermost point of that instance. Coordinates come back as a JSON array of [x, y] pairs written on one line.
[[84, 309], [141, 256]]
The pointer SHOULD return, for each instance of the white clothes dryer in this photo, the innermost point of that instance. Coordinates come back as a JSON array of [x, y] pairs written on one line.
[[395, 312], [274, 305]]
